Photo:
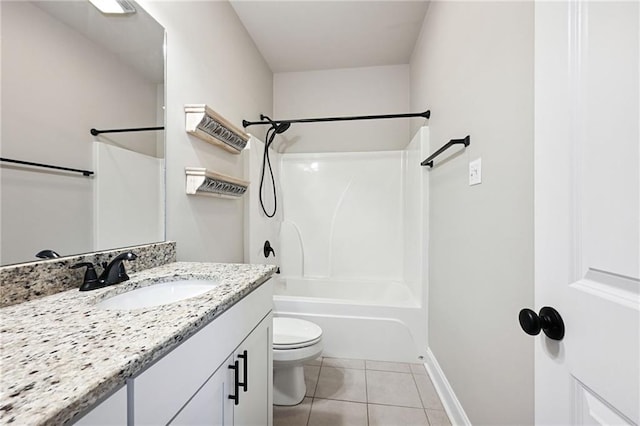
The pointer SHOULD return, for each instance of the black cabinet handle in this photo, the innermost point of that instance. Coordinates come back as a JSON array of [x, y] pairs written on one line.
[[549, 321], [236, 397], [245, 357]]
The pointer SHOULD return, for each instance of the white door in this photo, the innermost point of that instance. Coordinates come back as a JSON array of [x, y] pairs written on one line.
[[587, 219]]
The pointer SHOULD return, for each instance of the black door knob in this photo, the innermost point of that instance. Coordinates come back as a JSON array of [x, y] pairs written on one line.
[[548, 320]]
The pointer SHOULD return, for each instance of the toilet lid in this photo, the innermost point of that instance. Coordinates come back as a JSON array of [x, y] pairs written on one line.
[[294, 333]]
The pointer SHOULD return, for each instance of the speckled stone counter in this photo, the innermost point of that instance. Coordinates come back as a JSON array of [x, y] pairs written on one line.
[[60, 354], [27, 281]]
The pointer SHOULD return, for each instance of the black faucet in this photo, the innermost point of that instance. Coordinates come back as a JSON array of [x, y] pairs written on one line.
[[114, 272], [90, 281]]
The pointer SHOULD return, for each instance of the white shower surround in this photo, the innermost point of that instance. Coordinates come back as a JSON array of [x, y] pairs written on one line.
[[352, 240], [343, 215]]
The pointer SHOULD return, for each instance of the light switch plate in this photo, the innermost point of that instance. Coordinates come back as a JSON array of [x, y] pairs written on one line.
[[475, 172]]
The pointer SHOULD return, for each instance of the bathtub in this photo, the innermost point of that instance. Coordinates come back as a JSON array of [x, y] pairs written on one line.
[[364, 320]]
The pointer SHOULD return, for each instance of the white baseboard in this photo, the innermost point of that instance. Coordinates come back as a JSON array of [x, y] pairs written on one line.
[[451, 404]]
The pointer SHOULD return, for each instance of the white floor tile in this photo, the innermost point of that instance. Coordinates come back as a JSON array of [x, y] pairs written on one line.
[[438, 418], [398, 394], [311, 373], [389, 388], [418, 369], [343, 363], [296, 415], [428, 394], [316, 362], [342, 383], [389, 415], [398, 367], [327, 412]]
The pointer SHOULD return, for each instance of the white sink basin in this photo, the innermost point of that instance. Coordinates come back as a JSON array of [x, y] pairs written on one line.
[[158, 294]]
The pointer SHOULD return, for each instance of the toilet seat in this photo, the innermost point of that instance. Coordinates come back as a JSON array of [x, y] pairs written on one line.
[[296, 345], [293, 333]]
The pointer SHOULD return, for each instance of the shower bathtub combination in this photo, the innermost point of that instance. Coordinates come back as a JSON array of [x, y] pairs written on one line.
[[349, 241], [372, 320]]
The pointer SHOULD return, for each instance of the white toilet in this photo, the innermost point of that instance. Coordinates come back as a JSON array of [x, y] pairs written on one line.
[[294, 342]]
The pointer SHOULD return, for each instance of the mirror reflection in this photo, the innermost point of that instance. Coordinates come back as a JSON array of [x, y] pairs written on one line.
[[68, 68]]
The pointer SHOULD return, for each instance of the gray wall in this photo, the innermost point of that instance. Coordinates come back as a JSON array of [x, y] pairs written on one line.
[[473, 67], [343, 92], [212, 60]]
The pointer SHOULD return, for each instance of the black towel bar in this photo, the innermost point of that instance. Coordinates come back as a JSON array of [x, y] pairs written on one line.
[[429, 161], [47, 166], [96, 132]]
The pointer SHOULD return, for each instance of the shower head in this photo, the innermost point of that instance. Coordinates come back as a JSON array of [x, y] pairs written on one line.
[[279, 127], [282, 127]]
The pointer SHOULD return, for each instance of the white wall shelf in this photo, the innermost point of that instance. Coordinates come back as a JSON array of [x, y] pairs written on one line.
[[201, 181], [206, 124]]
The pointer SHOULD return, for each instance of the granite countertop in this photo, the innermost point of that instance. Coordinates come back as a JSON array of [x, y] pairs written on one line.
[[60, 354]]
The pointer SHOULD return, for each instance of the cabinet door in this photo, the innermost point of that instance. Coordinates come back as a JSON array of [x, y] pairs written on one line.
[[210, 405], [255, 356], [110, 412]]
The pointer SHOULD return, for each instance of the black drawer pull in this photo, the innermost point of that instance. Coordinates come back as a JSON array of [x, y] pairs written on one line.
[[245, 357], [236, 397]]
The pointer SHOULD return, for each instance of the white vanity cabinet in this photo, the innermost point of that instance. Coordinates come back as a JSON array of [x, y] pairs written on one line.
[[238, 393], [110, 412], [191, 384], [254, 376], [211, 404]]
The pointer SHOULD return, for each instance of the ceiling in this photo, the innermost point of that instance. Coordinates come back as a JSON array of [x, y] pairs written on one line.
[[316, 35]]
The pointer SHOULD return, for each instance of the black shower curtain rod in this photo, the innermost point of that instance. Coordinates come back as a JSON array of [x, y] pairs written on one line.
[[425, 114]]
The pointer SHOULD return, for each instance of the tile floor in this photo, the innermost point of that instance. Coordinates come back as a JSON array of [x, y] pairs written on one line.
[[355, 392]]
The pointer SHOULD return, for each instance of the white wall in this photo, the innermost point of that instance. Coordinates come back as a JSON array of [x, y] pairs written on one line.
[[343, 92], [50, 100], [473, 67], [211, 60]]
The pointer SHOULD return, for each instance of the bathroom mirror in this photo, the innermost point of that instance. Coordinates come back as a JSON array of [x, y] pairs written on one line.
[[68, 68]]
